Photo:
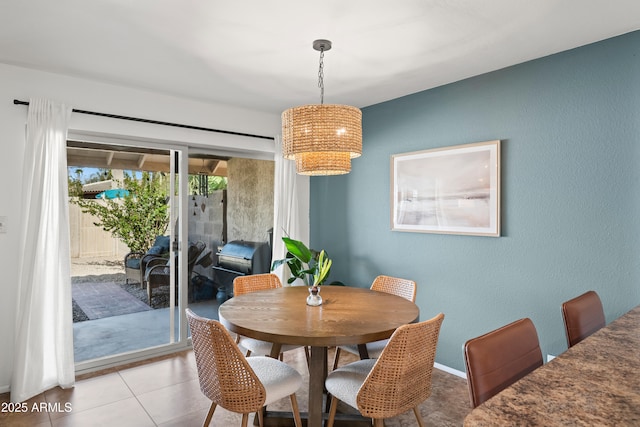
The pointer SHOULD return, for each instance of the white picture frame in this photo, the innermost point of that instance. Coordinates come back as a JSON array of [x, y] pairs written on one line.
[[450, 190]]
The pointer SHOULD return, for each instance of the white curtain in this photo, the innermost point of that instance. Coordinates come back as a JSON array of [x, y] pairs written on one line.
[[43, 356], [287, 210]]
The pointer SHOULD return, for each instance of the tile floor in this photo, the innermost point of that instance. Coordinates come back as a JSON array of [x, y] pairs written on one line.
[[165, 392]]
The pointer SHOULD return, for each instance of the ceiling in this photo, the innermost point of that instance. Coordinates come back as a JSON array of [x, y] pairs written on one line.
[[92, 155], [257, 54]]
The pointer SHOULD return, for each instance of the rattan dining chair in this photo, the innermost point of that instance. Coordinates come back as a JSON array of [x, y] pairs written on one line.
[[235, 382], [399, 380], [252, 283], [499, 358], [582, 316], [392, 285]]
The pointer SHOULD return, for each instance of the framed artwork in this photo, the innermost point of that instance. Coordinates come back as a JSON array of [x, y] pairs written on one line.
[[452, 190]]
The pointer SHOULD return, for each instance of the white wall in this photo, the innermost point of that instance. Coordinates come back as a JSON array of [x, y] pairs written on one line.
[[21, 83]]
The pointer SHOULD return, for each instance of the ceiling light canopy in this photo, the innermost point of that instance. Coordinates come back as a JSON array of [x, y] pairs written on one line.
[[322, 139]]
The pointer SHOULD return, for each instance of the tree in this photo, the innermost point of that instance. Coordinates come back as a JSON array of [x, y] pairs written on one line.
[[205, 185], [101, 174], [139, 216], [75, 184]]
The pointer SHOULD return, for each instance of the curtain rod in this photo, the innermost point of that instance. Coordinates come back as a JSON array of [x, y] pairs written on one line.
[[156, 122]]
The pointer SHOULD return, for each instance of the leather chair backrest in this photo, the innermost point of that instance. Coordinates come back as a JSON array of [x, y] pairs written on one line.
[[583, 315], [499, 358]]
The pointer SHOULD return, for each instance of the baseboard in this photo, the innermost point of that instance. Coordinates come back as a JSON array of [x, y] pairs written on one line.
[[450, 370], [4, 389]]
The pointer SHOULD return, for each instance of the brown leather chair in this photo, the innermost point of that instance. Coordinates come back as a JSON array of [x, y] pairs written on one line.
[[499, 358], [583, 315]]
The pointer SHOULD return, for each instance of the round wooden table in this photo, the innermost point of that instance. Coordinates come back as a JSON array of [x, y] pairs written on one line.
[[347, 316]]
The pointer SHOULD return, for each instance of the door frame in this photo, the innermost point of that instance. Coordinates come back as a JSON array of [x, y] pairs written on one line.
[[179, 154]]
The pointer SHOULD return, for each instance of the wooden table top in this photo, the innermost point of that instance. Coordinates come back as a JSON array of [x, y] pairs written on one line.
[[595, 382], [348, 315]]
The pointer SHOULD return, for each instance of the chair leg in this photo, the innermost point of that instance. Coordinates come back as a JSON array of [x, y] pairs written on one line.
[[332, 411], [248, 353], [207, 420], [336, 358], [260, 415], [416, 411], [378, 422], [296, 410], [245, 420]]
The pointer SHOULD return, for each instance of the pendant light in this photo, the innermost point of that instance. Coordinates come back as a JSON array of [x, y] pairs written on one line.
[[322, 139]]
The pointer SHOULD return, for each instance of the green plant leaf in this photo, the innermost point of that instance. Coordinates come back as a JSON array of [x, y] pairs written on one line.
[[298, 249], [322, 269], [311, 266]]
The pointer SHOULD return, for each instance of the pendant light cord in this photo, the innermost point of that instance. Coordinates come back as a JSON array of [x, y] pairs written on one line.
[[321, 76]]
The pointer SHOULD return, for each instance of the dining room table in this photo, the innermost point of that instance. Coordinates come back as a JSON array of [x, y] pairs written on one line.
[[595, 382], [348, 315]]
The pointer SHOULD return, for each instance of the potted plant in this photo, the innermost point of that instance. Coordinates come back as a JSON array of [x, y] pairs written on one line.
[[311, 266]]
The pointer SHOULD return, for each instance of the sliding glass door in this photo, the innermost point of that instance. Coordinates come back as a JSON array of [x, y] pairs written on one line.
[[183, 206], [207, 218], [129, 233]]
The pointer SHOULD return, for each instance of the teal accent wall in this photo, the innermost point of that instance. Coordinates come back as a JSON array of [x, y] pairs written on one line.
[[570, 130]]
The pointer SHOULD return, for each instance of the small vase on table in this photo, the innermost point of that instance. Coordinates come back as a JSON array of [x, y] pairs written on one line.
[[314, 299]]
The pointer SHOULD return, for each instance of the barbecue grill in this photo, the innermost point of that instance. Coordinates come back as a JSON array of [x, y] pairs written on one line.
[[240, 258]]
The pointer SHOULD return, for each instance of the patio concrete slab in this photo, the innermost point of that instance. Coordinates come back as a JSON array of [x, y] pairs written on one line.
[[94, 339]]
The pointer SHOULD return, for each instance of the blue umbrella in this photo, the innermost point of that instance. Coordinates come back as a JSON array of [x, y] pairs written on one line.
[[115, 193]]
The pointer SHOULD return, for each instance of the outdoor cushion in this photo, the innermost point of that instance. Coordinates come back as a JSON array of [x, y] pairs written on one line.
[[133, 263], [155, 250], [163, 242], [160, 247]]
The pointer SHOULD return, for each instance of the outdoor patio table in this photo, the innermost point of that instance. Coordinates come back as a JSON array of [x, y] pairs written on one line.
[[348, 315]]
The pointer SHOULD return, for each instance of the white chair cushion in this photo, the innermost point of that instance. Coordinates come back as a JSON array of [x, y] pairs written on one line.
[[373, 348], [262, 348], [345, 382], [279, 379]]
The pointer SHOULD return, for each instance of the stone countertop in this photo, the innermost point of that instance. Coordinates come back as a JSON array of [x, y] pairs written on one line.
[[595, 382]]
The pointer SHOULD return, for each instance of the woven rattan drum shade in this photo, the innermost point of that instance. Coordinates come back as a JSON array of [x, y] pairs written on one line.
[[322, 139]]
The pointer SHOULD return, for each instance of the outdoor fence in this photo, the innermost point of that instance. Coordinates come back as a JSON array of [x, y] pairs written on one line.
[[90, 241]]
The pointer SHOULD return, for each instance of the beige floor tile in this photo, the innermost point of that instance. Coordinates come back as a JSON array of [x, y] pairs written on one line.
[[124, 413], [90, 393], [221, 418], [24, 414], [175, 401], [194, 419], [160, 374]]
